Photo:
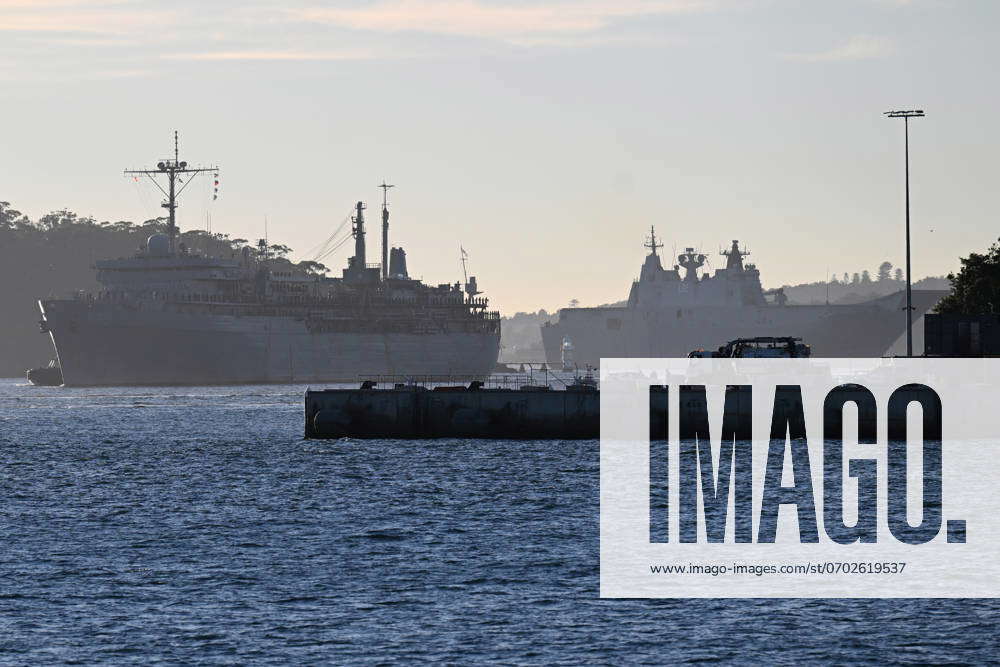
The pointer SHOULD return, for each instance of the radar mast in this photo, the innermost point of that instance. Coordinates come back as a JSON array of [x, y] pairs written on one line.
[[734, 256], [172, 169], [651, 243], [691, 261]]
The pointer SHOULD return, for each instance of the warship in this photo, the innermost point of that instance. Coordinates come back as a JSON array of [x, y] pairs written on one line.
[[671, 311], [169, 316]]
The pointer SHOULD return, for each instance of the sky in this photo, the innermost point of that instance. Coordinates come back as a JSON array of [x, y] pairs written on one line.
[[544, 137]]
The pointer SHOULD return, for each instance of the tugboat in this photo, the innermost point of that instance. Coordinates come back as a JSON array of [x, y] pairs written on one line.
[[769, 347], [46, 376]]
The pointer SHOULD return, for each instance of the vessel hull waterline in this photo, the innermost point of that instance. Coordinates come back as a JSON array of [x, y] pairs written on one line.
[[112, 345], [859, 331]]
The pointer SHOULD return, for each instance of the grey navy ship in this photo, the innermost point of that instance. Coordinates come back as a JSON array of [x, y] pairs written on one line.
[[170, 316], [671, 312]]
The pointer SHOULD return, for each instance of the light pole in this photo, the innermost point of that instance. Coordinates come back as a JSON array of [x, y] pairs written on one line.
[[906, 116]]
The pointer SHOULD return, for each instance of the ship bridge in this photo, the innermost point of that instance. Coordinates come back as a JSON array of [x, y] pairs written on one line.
[[735, 285]]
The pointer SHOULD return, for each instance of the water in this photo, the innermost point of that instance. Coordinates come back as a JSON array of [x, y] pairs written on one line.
[[194, 524]]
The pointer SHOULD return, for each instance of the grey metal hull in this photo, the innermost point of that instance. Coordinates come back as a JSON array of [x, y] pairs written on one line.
[[111, 344], [861, 330]]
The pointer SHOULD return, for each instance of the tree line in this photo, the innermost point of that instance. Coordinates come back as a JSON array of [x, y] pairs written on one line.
[[885, 273], [66, 228]]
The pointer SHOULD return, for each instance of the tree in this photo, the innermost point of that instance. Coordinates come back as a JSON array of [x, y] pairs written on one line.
[[866, 277], [56, 219], [11, 218], [312, 267], [833, 279], [123, 226], [279, 250], [846, 279], [884, 271], [856, 278], [898, 277], [975, 289], [573, 303]]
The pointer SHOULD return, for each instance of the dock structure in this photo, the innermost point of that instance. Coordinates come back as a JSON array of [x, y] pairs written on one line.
[[413, 411]]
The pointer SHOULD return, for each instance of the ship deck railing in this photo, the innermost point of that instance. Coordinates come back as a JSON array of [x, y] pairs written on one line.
[[476, 305]]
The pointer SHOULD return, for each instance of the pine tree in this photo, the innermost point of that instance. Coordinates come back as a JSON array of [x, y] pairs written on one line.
[[884, 271]]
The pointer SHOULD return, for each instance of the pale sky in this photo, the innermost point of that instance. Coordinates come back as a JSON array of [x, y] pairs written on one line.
[[544, 137]]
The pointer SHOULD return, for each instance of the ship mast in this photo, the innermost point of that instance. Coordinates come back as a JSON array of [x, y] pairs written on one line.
[[385, 228], [734, 256], [471, 288], [171, 169], [652, 244]]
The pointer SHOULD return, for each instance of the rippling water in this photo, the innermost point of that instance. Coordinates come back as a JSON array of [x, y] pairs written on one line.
[[195, 524]]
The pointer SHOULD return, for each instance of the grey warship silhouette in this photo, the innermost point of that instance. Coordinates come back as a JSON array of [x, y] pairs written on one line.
[[170, 316], [670, 312]]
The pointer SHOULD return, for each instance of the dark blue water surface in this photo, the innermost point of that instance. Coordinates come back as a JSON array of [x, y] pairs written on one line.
[[195, 524]]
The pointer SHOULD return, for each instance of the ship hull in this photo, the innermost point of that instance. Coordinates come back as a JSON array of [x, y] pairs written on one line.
[[111, 345], [861, 330]]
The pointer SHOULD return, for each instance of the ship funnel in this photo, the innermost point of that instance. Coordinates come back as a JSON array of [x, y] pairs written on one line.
[[359, 236], [471, 287], [385, 229], [397, 263]]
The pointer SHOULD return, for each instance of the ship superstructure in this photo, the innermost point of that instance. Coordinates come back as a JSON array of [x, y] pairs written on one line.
[[671, 311], [171, 316]]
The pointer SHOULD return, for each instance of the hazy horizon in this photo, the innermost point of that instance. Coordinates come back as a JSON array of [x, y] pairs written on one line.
[[543, 137]]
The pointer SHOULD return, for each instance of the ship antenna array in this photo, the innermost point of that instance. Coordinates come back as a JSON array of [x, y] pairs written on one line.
[[652, 244], [172, 169]]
